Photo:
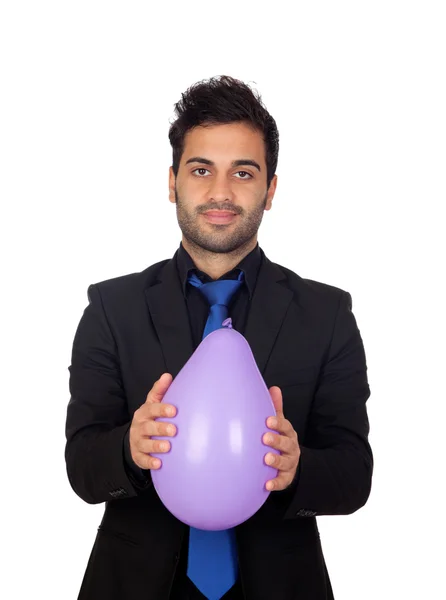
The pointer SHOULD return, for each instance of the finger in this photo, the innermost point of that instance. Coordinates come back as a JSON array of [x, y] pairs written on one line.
[[159, 388], [281, 482], [155, 410], [148, 446], [158, 428], [282, 443], [280, 424], [145, 461], [276, 397], [281, 462]]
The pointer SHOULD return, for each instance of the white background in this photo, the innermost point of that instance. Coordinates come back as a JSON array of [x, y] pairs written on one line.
[[358, 93]]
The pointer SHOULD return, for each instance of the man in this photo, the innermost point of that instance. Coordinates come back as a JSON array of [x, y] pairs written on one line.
[[139, 330]]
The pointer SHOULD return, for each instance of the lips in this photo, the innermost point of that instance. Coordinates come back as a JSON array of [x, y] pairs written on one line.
[[219, 216], [219, 213]]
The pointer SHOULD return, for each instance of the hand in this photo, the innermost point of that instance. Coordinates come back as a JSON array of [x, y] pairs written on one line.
[[144, 426], [286, 442]]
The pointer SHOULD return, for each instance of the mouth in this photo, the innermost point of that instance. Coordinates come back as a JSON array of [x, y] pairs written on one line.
[[220, 216]]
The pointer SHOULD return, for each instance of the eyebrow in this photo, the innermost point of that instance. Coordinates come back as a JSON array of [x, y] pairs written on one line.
[[235, 163]]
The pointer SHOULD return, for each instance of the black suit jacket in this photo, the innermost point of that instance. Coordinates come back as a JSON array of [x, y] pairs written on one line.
[[305, 340]]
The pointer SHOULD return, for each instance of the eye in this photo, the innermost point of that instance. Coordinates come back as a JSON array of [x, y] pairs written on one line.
[[245, 173], [200, 169]]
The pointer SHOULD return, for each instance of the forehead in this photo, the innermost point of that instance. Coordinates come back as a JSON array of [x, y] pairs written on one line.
[[224, 142]]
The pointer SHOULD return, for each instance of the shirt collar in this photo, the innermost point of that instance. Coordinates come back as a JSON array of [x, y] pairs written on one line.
[[250, 265]]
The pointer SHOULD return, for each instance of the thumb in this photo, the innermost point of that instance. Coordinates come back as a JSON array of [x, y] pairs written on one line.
[[159, 388], [276, 397]]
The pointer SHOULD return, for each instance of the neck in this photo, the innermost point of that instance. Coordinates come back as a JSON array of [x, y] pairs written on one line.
[[216, 264]]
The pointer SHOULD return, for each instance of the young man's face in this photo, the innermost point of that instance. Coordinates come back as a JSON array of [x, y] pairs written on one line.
[[221, 186]]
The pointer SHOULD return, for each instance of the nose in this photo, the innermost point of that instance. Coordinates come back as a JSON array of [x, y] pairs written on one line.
[[220, 190]]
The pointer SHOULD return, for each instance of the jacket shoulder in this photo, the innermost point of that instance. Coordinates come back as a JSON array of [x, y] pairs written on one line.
[[131, 281], [310, 290]]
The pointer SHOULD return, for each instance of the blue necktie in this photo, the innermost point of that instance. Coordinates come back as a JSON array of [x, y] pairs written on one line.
[[212, 561]]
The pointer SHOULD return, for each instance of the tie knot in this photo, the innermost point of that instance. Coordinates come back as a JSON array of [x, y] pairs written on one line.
[[217, 292]]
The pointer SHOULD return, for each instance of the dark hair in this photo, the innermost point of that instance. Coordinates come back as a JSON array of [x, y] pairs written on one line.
[[223, 100]]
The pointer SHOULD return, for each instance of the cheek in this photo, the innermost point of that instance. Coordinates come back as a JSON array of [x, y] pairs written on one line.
[[194, 194]]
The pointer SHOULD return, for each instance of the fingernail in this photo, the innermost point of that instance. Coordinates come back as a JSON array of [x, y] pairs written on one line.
[[170, 412], [171, 430], [156, 463], [272, 422], [164, 446], [270, 486], [269, 438], [269, 459]]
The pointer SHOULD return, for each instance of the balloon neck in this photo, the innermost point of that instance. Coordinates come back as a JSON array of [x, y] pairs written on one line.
[[227, 323]]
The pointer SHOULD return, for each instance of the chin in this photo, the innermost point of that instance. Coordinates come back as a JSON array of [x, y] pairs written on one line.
[[219, 244]]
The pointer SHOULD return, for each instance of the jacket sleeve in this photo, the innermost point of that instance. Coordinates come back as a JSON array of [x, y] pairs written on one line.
[[97, 415], [336, 462]]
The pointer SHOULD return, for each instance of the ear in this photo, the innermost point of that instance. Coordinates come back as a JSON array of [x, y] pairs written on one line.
[[172, 180], [271, 192]]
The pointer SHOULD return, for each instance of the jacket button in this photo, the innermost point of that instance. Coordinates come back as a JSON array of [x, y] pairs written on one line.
[[305, 513], [119, 493]]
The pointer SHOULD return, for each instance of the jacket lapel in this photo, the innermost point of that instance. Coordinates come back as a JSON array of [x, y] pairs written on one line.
[[168, 310]]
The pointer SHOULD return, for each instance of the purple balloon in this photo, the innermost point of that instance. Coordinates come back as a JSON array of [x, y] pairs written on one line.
[[214, 475]]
